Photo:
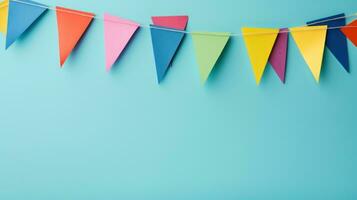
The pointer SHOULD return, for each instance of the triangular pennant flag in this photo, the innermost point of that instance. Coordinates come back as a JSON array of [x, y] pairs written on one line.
[[174, 22], [21, 15], [277, 57], [335, 39], [166, 35], [117, 34], [72, 24], [165, 44], [259, 43], [4, 8], [311, 43], [350, 32], [208, 48]]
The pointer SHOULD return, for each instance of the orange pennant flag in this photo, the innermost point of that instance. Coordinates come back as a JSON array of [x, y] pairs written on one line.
[[71, 26]]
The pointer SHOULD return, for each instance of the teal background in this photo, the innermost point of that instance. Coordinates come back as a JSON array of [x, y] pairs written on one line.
[[81, 133]]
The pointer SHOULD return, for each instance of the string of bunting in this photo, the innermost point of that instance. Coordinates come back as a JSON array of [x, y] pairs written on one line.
[[167, 32]]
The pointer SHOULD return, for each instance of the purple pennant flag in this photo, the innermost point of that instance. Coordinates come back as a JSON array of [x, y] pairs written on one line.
[[278, 55]]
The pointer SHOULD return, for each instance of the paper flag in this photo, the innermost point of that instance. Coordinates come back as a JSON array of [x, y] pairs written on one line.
[[72, 24], [166, 42], [311, 42], [259, 43], [21, 16], [4, 8], [350, 32], [174, 22], [277, 57], [335, 39], [117, 34], [208, 48]]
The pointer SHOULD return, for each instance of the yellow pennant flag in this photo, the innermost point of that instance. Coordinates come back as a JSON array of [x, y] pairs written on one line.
[[311, 42], [259, 43], [4, 7]]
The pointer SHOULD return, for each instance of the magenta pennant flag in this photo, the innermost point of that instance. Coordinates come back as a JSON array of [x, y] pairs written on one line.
[[117, 34], [278, 55]]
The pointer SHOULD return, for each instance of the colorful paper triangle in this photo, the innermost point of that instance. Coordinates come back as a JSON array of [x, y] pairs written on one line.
[[166, 39], [117, 34], [72, 24], [335, 40], [311, 43], [350, 31], [165, 44], [259, 43], [20, 17], [4, 10], [278, 55], [174, 22], [208, 47]]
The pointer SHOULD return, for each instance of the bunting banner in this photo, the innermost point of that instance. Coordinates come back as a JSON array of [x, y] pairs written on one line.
[[166, 40], [208, 48], [264, 45], [20, 18], [117, 34], [350, 31], [4, 8], [335, 40], [311, 42], [71, 26], [259, 43]]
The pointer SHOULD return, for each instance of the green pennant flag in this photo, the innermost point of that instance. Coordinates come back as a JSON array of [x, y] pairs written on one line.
[[208, 48]]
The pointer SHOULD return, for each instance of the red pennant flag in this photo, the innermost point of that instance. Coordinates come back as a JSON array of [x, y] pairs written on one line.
[[350, 32], [175, 22], [71, 26]]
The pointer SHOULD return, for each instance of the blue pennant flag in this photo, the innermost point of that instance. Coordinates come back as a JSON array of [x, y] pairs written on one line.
[[21, 15], [165, 44], [336, 41]]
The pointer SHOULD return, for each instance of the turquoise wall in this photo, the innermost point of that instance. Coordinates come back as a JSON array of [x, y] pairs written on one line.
[[81, 133]]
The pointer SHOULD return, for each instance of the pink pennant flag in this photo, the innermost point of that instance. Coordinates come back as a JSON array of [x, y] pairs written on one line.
[[117, 34]]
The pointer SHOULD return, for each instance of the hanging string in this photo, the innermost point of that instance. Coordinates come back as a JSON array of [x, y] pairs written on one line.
[[190, 32]]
